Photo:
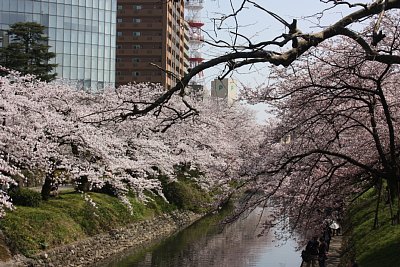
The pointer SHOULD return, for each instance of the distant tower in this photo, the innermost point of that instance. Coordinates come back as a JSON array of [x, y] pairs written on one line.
[[193, 18]]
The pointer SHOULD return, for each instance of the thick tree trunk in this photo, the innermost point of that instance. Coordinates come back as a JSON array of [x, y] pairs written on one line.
[[46, 188], [376, 220], [397, 219], [389, 201], [83, 184], [393, 188]]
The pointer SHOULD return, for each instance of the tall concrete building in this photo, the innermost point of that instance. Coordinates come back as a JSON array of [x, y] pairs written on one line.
[[226, 89], [151, 43], [81, 32]]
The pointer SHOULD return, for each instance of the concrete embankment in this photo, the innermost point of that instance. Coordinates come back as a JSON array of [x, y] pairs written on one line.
[[99, 248]]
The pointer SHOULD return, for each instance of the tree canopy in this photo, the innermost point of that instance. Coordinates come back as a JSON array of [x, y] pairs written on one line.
[[239, 51], [336, 101], [76, 136], [335, 134], [28, 51]]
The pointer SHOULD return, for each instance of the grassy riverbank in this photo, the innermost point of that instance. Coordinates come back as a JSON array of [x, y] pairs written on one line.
[[373, 247], [69, 217]]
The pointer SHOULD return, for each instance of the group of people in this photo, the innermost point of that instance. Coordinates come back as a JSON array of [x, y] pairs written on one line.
[[316, 251]]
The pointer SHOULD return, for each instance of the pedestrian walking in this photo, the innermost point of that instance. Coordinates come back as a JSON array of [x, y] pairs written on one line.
[[322, 252], [327, 235], [335, 227], [312, 253]]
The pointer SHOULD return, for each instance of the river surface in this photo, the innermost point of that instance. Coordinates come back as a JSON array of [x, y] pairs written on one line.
[[205, 244]]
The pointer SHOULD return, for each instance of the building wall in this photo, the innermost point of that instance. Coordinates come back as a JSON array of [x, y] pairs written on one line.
[[81, 32], [150, 41], [225, 88], [186, 46]]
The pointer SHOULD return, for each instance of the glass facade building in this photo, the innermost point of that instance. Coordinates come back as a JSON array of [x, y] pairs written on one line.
[[82, 33]]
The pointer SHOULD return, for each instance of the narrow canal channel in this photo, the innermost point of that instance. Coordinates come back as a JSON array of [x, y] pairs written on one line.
[[205, 244]]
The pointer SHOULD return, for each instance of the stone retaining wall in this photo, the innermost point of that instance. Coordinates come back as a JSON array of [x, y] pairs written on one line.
[[99, 248]]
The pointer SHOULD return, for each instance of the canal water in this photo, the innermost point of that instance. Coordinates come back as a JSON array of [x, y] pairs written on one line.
[[207, 244]]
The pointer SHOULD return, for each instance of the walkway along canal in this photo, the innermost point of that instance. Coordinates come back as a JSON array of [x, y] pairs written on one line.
[[334, 252], [204, 244]]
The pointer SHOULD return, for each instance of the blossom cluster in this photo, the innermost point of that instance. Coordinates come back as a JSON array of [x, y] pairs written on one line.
[[67, 134]]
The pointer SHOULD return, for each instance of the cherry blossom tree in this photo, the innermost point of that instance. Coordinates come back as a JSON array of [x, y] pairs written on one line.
[[211, 138], [78, 136], [335, 132], [328, 88], [239, 51]]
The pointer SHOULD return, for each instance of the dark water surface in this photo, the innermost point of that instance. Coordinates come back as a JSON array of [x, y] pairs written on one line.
[[204, 244]]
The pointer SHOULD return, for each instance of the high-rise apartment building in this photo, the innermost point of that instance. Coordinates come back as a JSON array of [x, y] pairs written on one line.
[[81, 32], [151, 43]]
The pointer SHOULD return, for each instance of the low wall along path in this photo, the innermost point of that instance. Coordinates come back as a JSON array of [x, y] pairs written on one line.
[[101, 247]]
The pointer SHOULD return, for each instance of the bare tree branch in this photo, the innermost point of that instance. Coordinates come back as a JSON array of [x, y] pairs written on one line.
[[305, 42]]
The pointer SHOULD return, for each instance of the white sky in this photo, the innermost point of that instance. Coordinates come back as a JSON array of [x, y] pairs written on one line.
[[256, 25]]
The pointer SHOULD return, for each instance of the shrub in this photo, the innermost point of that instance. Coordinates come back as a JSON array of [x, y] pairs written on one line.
[[186, 195], [25, 197]]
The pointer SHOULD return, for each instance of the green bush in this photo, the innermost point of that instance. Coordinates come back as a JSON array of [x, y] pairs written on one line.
[[186, 195], [25, 197], [158, 204]]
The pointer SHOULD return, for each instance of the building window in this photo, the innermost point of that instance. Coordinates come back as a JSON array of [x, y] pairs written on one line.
[[136, 46], [119, 7], [119, 33], [137, 7], [135, 59], [119, 20], [136, 33], [119, 46], [136, 20], [135, 73], [119, 59]]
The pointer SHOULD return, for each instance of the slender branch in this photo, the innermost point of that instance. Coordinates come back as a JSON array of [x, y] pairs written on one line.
[[285, 58]]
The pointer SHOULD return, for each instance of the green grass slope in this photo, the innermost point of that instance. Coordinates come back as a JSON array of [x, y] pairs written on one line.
[[374, 247], [68, 217]]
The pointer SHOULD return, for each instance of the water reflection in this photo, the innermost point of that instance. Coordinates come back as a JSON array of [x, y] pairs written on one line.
[[205, 245]]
